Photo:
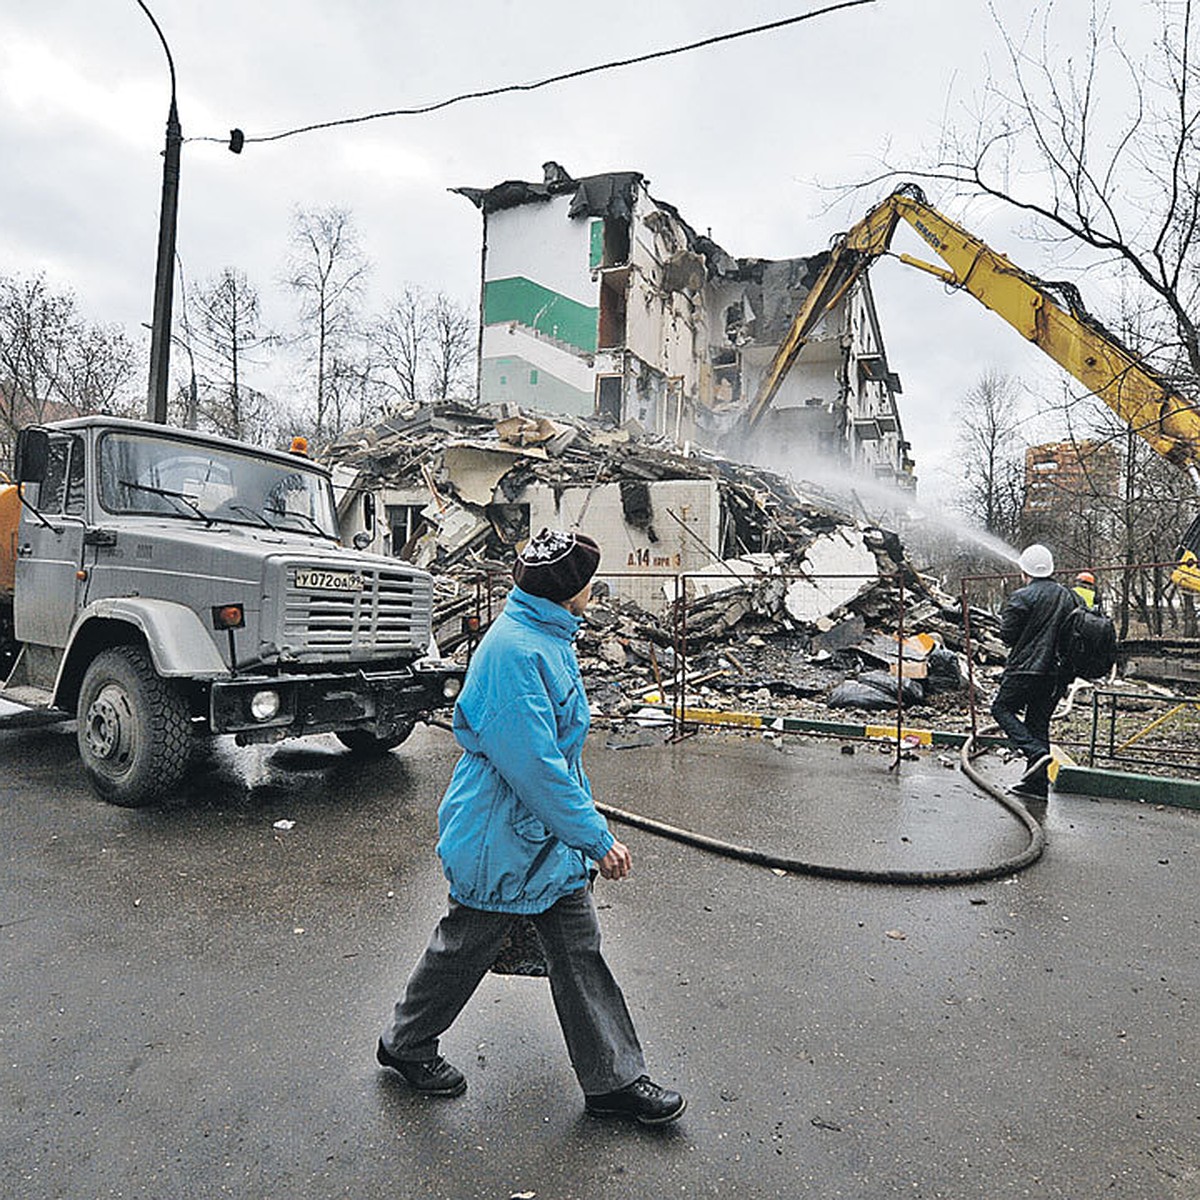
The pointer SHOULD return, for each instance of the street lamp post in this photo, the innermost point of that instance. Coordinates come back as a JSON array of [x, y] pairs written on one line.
[[160, 330]]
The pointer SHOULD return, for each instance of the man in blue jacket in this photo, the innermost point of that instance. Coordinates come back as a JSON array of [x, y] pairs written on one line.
[[518, 834], [1032, 682]]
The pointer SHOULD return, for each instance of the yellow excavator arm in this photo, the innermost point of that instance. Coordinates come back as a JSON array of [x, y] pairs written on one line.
[[1051, 315]]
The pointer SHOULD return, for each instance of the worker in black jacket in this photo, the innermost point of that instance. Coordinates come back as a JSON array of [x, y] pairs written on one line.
[[1032, 682]]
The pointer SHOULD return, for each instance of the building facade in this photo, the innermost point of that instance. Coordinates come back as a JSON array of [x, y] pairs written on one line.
[[599, 300], [1073, 498]]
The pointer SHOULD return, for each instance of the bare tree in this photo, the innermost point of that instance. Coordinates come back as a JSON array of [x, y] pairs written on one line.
[[229, 332], [1102, 151], [1091, 132], [425, 348], [355, 395], [1128, 504], [401, 339], [36, 327], [452, 347], [1157, 503], [53, 363], [1136, 517], [992, 455], [100, 365], [327, 271]]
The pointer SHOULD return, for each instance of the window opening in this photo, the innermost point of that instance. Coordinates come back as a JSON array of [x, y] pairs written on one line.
[[608, 398], [611, 333], [406, 525]]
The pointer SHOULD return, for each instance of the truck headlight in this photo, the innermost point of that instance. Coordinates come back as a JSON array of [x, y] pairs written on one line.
[[264, 705], [451, 687]]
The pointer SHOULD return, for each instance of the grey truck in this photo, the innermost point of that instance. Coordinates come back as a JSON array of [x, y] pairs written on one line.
[[161, 585]]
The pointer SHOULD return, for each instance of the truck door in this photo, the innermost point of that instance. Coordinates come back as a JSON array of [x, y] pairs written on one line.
[[48, 591]]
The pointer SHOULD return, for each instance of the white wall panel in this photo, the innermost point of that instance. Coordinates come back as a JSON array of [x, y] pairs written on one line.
[[540, 242]]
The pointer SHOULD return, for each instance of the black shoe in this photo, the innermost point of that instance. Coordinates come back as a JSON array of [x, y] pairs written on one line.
[[430, 1076], [643, 1100]]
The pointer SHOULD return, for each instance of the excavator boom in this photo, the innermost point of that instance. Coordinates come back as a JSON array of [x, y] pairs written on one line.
[[1051, 315]]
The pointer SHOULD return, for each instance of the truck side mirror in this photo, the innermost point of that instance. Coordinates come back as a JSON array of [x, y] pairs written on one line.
[[33, 455], [369, 512]]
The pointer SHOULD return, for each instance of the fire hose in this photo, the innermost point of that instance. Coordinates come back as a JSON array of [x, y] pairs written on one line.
[[995, 870]]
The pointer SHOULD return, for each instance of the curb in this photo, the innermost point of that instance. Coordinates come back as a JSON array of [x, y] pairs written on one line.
[[1069, 778], [1124, 785]]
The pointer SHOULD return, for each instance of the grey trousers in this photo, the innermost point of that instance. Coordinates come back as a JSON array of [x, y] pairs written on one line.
[[601, 1041]]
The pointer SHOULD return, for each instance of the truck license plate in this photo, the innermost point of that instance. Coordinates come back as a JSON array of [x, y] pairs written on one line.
[[329, 581]]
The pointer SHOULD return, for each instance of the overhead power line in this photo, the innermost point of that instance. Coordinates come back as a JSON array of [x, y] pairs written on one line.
[[237, 138]]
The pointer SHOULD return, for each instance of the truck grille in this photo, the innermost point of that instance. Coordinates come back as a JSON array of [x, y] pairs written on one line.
[[390, 616]]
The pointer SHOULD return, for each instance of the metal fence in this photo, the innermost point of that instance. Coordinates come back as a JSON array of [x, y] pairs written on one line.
[[1144, 731], [470, 614]]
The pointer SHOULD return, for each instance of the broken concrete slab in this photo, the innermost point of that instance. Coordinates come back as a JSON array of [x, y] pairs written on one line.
[[839, 566], [454, 526], [475, 468], [840, 635]]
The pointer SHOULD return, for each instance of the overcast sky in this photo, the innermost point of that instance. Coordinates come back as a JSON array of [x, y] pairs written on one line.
[[749, 140]]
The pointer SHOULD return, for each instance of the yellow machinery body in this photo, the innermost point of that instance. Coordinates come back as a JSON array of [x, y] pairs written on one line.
[[1051, 315]]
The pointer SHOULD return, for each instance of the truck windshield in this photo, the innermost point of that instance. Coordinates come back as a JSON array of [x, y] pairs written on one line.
[[140, 473]]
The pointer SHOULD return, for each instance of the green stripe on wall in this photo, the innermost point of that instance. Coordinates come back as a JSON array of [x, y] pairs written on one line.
[[548, 312]]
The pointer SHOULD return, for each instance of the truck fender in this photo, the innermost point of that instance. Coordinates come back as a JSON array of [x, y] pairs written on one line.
[[176, 639]]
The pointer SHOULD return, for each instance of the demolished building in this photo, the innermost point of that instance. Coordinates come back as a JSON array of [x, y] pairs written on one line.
[[460, 485], [597, 299], [615, 341], [771, 587]]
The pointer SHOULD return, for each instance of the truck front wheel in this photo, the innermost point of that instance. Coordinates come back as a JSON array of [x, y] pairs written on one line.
[[366, 745], [134, 728]]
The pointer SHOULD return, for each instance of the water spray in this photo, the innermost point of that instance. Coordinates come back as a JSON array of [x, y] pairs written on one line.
[[832, 481]]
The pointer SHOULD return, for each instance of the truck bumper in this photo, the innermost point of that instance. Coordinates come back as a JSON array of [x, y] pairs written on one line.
[[269, 708]]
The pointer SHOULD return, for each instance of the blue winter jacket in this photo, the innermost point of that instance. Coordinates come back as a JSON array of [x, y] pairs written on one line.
[[517, 824]]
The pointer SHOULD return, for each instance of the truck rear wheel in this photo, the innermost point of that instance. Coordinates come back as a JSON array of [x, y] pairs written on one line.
[[366, 745], [134, 728]]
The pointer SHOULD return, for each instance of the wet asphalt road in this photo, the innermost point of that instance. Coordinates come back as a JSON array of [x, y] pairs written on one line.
[[191, 996]]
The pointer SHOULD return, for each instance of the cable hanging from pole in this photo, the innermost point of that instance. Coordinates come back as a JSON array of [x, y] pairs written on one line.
[[237, 139]]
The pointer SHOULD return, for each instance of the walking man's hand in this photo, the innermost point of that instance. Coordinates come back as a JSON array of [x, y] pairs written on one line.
[[617, 863]]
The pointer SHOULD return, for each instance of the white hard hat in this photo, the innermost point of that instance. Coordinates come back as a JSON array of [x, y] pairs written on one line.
[[1036, 561]]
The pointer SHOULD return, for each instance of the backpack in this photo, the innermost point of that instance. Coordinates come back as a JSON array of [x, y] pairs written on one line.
[[1087, 644]]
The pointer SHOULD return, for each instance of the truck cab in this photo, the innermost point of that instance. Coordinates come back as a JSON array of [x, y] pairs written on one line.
[[163, 584]]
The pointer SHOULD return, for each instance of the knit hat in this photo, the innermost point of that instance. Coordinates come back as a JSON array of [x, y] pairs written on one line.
[[556, 565]]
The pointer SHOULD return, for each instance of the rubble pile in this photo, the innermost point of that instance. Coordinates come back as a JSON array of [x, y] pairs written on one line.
[[630, 658], [777, 622]]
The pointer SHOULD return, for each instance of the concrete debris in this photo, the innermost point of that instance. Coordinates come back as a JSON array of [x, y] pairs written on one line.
[[476, 469], [838, 566], [723, 583]]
